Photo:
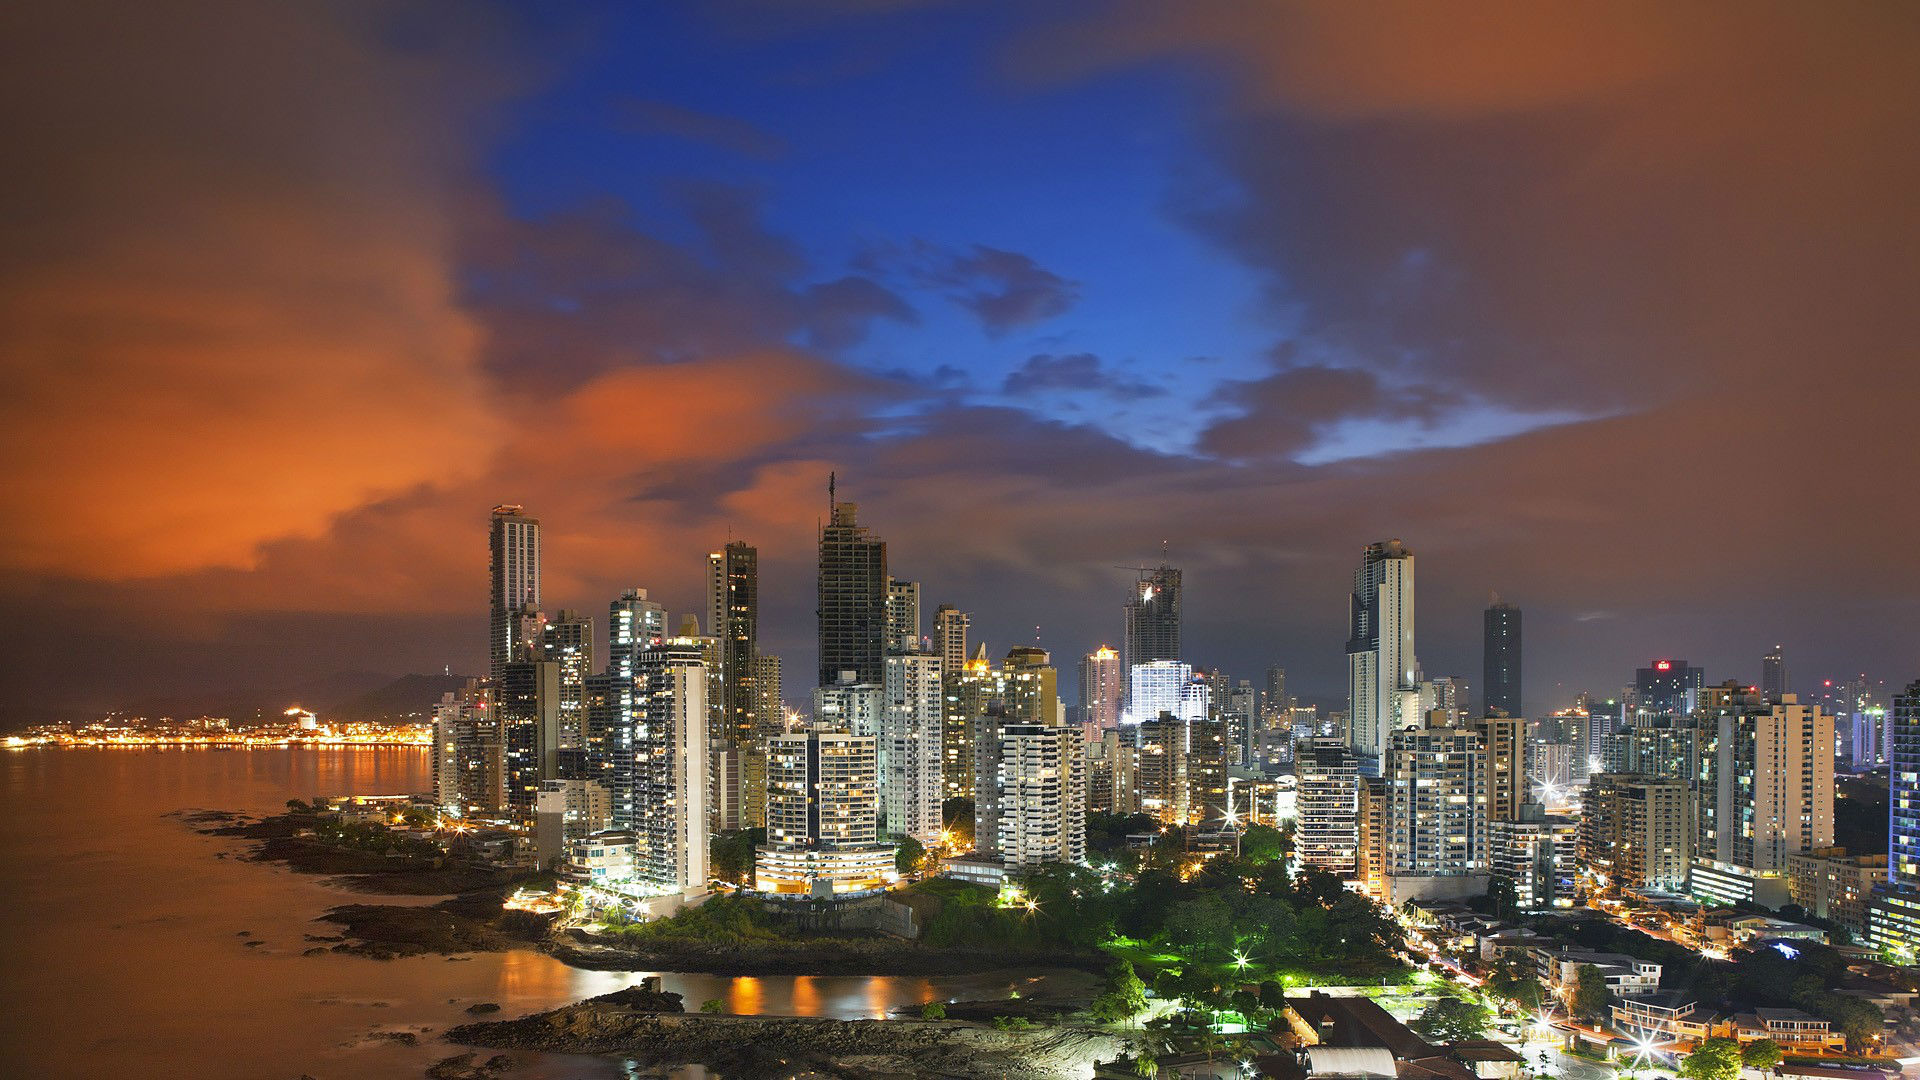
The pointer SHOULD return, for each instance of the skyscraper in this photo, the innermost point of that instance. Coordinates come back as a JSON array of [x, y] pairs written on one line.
[[529, 706], [1100, 688], [1380, 658], [1670, 687], [1436, 814], [671, 763], [733, 618], [1903, 864], [1635, 830], [514, 543], [1773, 673], [903, 615], [1766, 792], [1153, 617], [1037, 811], [1157, 687], [1329, 805], [1501, 659], [950, 638], [823, 817], [633, 623], [567, 640], [853, 599], [910, 746]]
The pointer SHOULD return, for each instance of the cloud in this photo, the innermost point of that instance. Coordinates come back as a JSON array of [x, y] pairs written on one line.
[[1005, 290], [641, 117], [1074, 373], [226, 310]]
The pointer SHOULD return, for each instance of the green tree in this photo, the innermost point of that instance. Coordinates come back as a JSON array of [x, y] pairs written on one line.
[[712, 1005], [1262, 844], [1451, 1019], [909, 855], [731, 854], [1590, 994], [933, 1010], [1514, 980], [1760, 1054], [1714, 1059], [1502, 896], [1856, 1018], [1124, 998]]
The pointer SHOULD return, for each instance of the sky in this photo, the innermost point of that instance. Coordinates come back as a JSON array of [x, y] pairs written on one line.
[[1609, 308]]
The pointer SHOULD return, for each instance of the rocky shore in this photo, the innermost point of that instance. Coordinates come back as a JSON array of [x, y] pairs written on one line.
[[785, 1046], [277, 838]]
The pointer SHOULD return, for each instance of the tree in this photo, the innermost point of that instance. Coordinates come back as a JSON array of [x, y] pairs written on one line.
[[1262, 844], [711, 1005], [1760, 1054], [1451, 1020], [1123, 999], [1590, 994], [295, 806], [908, 856], [1513, 979], [1715, 1059], [731, 854], [933, 1010], [1502, 896]]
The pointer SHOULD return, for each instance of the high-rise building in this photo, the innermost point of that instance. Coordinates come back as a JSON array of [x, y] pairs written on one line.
[[1503, 756], [1380, 657], [1893, 913], [1500, 659], [671, 763], [1636, 832], [1157, 687], [733, 619], [1538, 854], [1327, 835], [612, 702], [950, 638], [1024, 688], [1766, 792], [1208, 753], [853, 599], [1113, 783], [1654, 745], [1436, 811], [1773, 673], [529, 707], [852, 707], [469, 752], [823, 814], [1152, 617], [1241, 715], [903, 615], [910, 746], [1037, 810], [1163, 768], [1671, 687], [1101, 687], [633, 623], [514, 544], [1370, 850], [567, 640]]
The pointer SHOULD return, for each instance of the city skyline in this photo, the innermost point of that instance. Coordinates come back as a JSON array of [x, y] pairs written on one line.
[[1141, 281]]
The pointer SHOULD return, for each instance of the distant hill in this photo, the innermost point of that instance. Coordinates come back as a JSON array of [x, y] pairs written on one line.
[[407, 695]]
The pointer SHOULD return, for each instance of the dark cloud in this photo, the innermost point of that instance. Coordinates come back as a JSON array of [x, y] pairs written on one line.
[[1287, 411], [1003, 289], [1074, 373], [727, 132]]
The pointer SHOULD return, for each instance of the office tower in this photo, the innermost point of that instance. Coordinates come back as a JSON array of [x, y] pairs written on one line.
[[823, 815], [1503, 756], [1500, 659], [910, 747], [514, 544], [733, 619], [1152, 617], [529, 705], [1538, 854], [633, 623], [671, 760], [1158, 687], [903, 615], [1277, 703], [1654, 745], [1380, 658], [1242, 719], [1436, 812], [853, 599], [950, 637], [1327, 803], [567, 640], [1636, 832], [1668, 686], [1113, 779], [1766, 792], [1030, 808], [469, 754], [852, 707], [1773, 673], [1101, 688]]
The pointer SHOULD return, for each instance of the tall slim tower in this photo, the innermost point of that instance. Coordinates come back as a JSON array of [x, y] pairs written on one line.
[[853, 599], [1773, 673], [910, 745], [950, 638], [671, 762], [633, 623], [1501, 655], [733, 618], [567, 639], [514, 542], [1101, 687], [1380, 659], [903, 615], [1153, 617]]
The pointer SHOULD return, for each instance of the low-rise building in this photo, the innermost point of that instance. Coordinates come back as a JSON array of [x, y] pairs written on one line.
[[604, 858], [1626, 976], [1830, 884], [1796, 1032]]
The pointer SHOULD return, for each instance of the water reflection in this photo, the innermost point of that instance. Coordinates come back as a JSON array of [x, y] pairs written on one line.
[[123, 953]]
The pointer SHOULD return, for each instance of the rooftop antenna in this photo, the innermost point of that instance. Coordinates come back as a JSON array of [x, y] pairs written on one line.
[[830, 495]]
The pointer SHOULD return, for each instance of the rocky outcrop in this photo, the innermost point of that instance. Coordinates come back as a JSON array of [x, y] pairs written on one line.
[[843, 956], [789, 1046]]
